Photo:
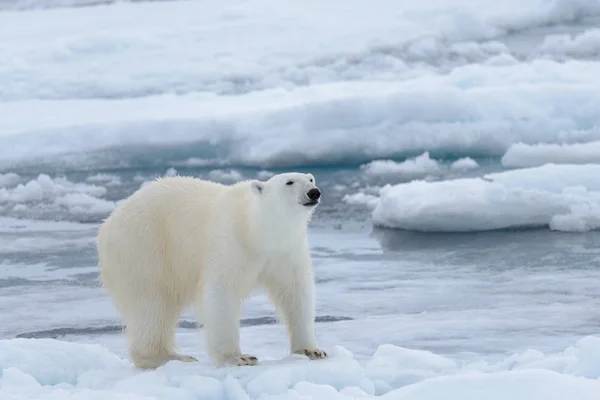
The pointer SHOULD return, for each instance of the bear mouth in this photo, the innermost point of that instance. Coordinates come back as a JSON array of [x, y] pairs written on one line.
[[311, 203]]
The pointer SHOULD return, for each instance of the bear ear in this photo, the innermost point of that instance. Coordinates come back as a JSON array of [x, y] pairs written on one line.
[[257, 187]]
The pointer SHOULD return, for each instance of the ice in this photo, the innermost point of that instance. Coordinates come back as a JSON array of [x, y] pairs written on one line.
[[52, 369], [524, 155], [50, 362], [264, 175], [107, 179], [9, 179], [197, 162], [464, 164], [567, 45], [469, 111], [361, 198], [417, 167], [171, 172], [561, 197], [44, 196], [48, 4], [226, 176], [395, 80], [211, 88]]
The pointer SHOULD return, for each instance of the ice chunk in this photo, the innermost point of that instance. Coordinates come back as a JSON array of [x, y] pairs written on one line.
[[417, 167], [46, 197], [464, 164], [361, 198], [562, 197], [399, 367], [225, 176], [51, 362], [526, 155]]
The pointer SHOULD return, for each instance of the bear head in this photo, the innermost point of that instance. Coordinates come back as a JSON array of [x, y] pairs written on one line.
[[289, 193]]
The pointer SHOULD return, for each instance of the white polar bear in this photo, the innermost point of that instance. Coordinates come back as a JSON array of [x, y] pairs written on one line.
[[182, 241]]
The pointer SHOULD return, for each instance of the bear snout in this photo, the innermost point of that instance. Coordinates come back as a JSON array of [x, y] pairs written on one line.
[[314, 194]]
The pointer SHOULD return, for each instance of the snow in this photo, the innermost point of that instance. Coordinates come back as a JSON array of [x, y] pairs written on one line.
[[397, 79], [171, 172], [417, 167], [107, 179], [9, 179], [264, 175], [561, 197], [464, 164], [227, 176], [361, 198], [169, 87], [566, 45], [197, 162], [46, 197], [53, 369], [524, 155]]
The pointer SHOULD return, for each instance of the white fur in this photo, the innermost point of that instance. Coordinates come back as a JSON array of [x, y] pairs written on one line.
[[182, 241]]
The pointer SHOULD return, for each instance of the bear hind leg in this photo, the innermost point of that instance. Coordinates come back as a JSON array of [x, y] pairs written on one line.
[[150, 334]]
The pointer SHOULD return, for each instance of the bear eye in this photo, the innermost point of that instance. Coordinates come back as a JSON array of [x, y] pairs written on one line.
[[290, 183], [311, 180]]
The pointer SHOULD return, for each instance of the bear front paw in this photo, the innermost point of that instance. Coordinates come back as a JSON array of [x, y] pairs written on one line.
[[240, 360], [313, 354]]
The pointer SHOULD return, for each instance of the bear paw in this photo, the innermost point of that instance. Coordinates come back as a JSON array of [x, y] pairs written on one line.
[[313, 354], [241, 360], [182, 358]]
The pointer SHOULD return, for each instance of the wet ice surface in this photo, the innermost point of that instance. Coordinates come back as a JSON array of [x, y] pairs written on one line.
[[475, 295]]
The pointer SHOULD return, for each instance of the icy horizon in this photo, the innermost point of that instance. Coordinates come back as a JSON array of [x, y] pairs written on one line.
[[387, 81]]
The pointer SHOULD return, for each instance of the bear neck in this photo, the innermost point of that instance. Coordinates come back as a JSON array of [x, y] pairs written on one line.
[[276, 228]]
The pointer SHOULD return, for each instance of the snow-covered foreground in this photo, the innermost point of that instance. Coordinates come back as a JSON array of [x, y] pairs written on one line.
[[562, 197], [257, 83], [50, 369]]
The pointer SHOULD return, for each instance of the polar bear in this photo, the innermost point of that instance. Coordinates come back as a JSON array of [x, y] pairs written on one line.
[[182, 241]]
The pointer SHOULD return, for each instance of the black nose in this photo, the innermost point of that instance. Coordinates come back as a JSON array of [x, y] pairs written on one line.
[[314, 194]]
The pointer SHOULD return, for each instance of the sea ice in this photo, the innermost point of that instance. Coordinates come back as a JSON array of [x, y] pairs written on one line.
[[417, 167], [9, 179], [563, 197], [225, 176], [44, 196], [52, 369], [464, 164], [393, 80], [533, 155]]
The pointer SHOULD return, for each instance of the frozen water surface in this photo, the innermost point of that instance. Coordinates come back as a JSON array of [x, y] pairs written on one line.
[[456, 250], [477, 302]]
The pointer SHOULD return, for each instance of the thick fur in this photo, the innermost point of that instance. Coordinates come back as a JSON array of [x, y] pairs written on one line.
[[182, 241]]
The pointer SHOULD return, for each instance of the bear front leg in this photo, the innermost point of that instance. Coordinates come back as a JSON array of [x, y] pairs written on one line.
[[292, 292], [221, 311]]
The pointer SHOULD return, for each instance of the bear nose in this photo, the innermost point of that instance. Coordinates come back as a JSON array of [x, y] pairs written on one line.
[[314, 194]]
